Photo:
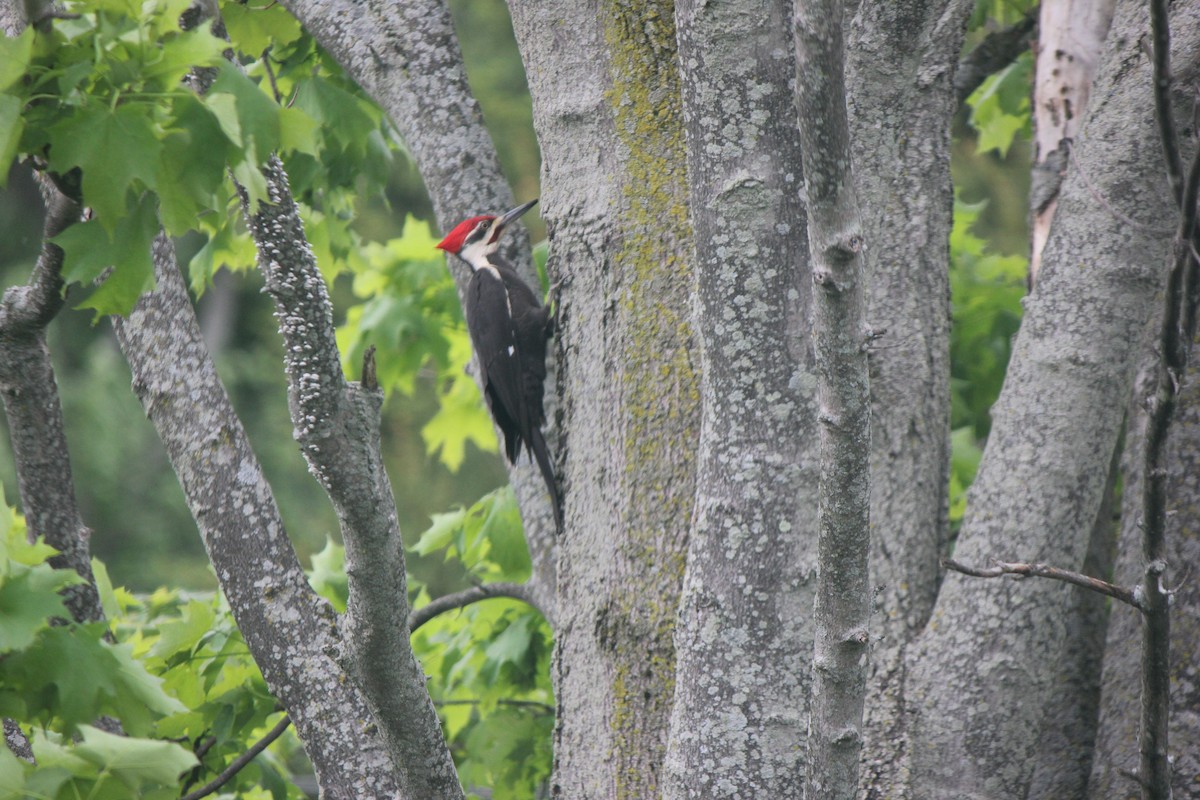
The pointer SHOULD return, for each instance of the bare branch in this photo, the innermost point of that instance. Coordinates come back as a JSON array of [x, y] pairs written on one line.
[[997, 50], [241, 761], [1023, 570], [449, 602]]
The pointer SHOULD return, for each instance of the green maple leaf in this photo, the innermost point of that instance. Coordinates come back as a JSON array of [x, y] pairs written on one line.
[[89, 250], [136, 763], [183, 635], [28, 599], [440, 533], [182, 53], [246, 114], [255, 26], [12, 125], [14, 57], [328, 575], [192, 169], [114, 148]]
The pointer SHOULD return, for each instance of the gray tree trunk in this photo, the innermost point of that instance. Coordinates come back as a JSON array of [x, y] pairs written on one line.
[[991, 644], [745, 634], [606, 104]]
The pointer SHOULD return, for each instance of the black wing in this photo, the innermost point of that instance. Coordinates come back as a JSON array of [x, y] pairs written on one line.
[[494, 336], [533, 328]]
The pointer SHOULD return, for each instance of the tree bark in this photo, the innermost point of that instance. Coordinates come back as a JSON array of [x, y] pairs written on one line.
[[900, 70], [744, 636], [35, 417], [1042, 477], [1068, 736], [840, 338], [1116, 752], [289, 630], [606, 104]]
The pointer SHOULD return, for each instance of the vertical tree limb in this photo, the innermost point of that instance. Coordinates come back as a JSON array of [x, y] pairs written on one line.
[[35, 417], [900, 75], [30, 393], [839, 341], [751, 553]]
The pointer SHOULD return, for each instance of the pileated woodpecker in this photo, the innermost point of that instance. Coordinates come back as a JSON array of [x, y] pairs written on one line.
[[509, 328]]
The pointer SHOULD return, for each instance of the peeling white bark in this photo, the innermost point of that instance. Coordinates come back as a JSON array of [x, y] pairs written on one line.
[[1070, 42]]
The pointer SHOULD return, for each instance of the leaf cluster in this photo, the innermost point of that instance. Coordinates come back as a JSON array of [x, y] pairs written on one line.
[[147, 124], [55, 678], [180, 683]]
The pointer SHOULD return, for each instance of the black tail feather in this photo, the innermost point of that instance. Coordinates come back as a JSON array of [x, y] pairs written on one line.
[[541, 454]]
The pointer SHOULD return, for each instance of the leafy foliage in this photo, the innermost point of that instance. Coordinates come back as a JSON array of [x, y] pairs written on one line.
[[489, 664], [182, 683], [486, 538], [1000, 106], [986, 291], [43, 684], [101, 102]]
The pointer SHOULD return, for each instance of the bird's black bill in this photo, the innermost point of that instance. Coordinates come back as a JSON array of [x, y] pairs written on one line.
[[509, 216]]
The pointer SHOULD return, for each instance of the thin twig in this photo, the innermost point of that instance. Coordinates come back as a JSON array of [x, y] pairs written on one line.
[[1022, 570], [1174, 339], [241, 761], [484, 591], [266, 60]]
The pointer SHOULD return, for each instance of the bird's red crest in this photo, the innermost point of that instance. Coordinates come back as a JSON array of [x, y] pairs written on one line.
[[454, 239]]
